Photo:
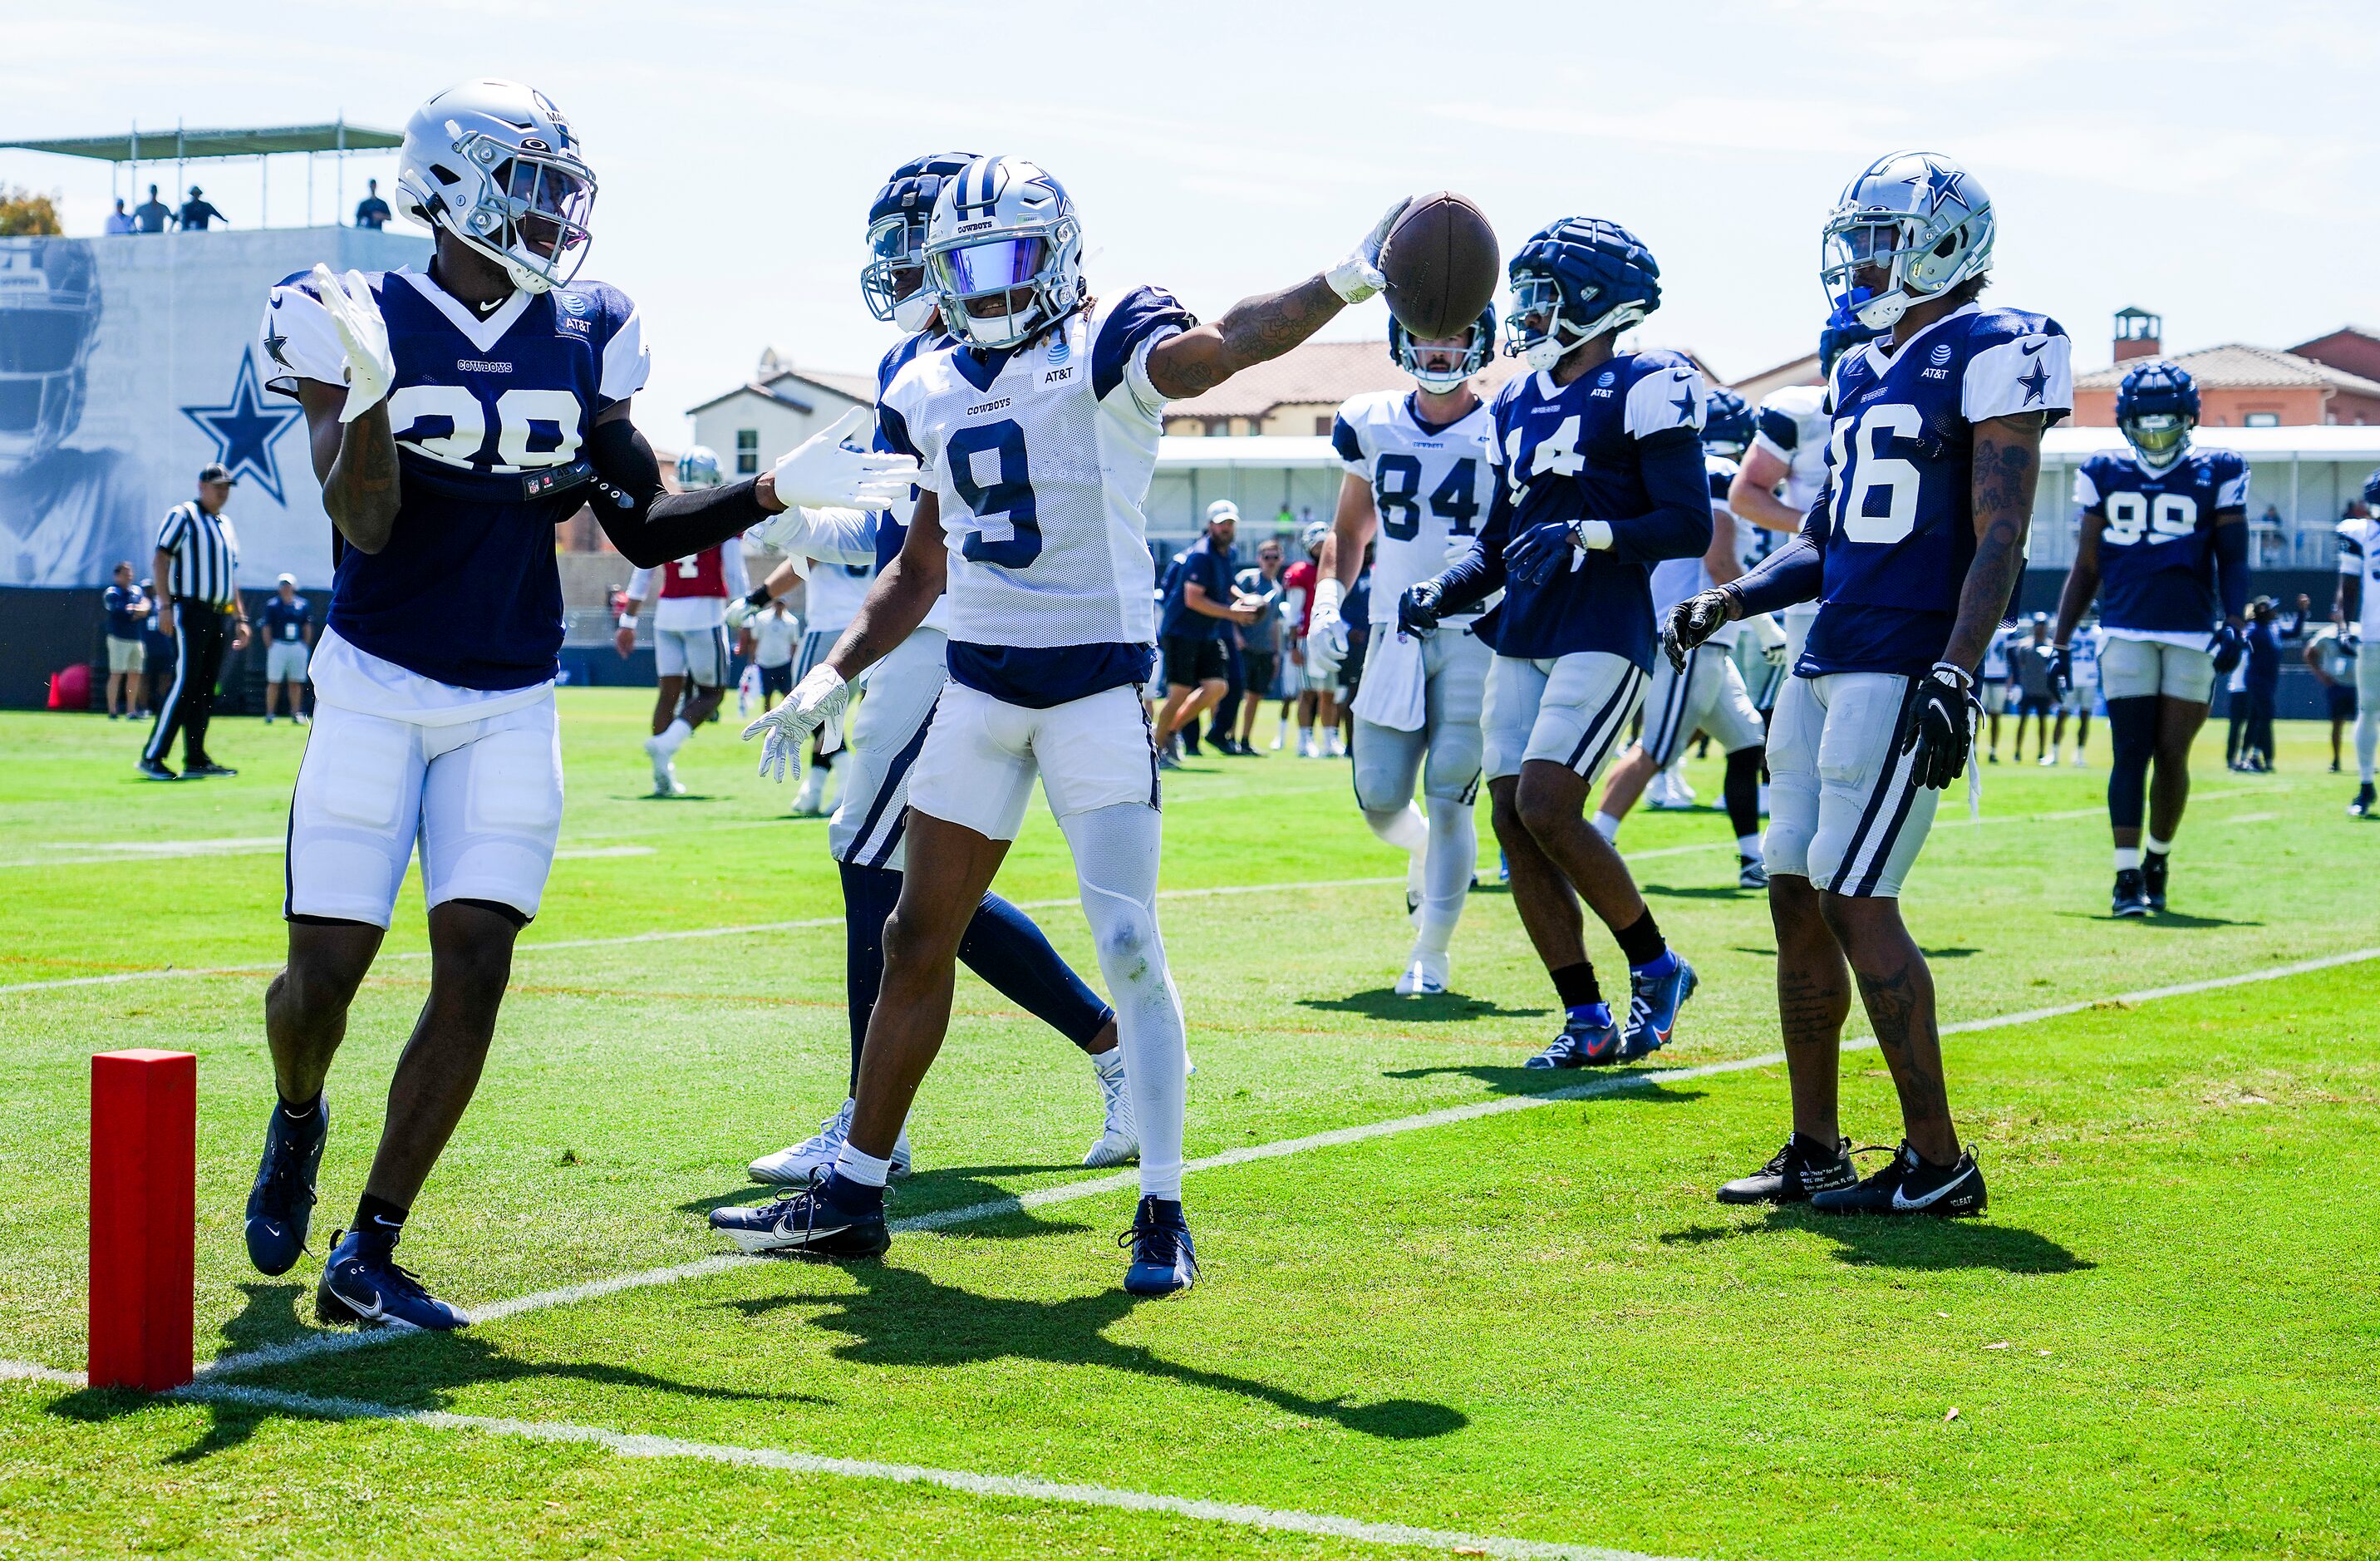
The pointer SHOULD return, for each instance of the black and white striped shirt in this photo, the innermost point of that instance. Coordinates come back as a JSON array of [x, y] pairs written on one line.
[[206, 556]]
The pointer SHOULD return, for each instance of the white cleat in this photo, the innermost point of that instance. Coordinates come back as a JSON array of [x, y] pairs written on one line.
[[1119, 1137], [810, 802], [1426, 975], [804, 1163]]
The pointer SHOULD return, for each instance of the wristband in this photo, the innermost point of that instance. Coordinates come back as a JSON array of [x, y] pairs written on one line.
[[1593, 535], [759, 597], [1958, 675], [627, 620]]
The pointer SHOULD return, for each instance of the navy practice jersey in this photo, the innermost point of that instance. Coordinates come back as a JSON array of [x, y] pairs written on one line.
[[466, 592], [1620, 444], [2157, 552], [1897, 526]]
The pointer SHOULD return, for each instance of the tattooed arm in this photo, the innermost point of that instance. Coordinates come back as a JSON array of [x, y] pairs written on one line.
[[355, 463], [1253, 331], [2006, 467]]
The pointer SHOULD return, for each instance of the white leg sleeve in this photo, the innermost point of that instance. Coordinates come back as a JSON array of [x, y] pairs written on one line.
[[1453, 853], [1405, 827], [1115, 867]]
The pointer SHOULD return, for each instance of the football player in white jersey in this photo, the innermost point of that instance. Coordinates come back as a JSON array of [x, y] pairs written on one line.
[[1420, 476], [454, 417], [2357, 614], [1037, 427], [868, 833]]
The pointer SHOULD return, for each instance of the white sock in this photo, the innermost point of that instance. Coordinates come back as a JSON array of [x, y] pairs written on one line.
[[1115, 851], [1405, 828], [1748, 845], [858, 1165], [1606, 825], [673, 736], [1452, 857], [1306, 736], [2155, 846], [2127, 857]]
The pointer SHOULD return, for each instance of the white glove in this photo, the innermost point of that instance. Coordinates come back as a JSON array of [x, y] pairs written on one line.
[[363, 333], [1358, 276], [1326, 633], [1771, 635], [739, 613], [823, 470], [815, 705]]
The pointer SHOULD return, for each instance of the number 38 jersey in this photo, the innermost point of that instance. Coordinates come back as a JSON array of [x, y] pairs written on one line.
[[1041, 457], [1898, 522], [1432, 486], [486, 412], [2157, 551]]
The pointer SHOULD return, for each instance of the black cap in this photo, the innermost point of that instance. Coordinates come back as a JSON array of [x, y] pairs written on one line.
[[217, 473]]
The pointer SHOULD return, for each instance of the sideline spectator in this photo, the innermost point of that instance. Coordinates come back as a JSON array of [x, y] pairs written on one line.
[[119, 220], [195, 212], [198, 590], [371, 211], [1260, 642], [2035, 661], [288, 641], [2262, 688], [1198, 602], [2295, 622], [152, 215], [2333, 664], [126, 606]]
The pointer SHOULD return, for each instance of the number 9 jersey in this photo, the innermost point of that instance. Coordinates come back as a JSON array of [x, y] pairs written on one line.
[[1432, 486], [1897, 524], [1041, 457]]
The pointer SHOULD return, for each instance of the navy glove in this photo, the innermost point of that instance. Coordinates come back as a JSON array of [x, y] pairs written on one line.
[[1939, 725], [1537, 554], [2062, 671], [1417, 610], [2228, 646]]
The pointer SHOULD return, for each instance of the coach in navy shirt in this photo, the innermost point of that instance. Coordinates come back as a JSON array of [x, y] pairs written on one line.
[[1199, 599], [126, 605]]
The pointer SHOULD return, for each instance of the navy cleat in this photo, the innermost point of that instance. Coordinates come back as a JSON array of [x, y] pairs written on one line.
[[1652, 1005], [1589, 1038], [2132, 895], [2154, 866], [1164, 1261], [831, 1218], [2365, 806], [281, 1204], [366, 1286]]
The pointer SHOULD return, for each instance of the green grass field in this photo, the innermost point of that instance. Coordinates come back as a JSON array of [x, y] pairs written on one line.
[[1523, 1330]]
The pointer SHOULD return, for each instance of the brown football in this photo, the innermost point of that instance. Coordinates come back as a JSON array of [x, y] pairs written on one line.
[[1441, 264]]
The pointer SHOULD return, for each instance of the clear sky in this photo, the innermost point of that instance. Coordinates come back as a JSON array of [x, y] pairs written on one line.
[[2217, 163]]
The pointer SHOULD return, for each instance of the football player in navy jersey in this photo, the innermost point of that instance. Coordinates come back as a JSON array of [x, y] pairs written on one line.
[[1601, 477], [456, 417], [2163, 548], [1037, 425], [1911, 553]]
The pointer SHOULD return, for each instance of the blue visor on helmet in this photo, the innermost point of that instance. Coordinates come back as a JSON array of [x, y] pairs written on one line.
[[995, 265]]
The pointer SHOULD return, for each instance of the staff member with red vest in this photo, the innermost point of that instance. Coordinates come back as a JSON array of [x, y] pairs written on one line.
[[197, 604], [689, 633]]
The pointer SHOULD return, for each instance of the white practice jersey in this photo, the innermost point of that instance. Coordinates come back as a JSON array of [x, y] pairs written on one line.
[[1674, 579], [831, 595], [2359, 555], [1431, 486], [1041, 459], [2083, 652], [1794, 427]]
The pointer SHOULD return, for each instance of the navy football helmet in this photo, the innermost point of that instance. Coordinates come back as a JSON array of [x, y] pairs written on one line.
[[893, 280], [2156, 408], [49, 317], [1574, 281], [1842, 331], [1728, 424], [495, 164], [2372, 492], [1448, 370]]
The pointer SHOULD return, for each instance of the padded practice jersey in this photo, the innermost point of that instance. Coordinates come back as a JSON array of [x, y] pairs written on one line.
[[2359, 555], [2157, 552], [1432, 486]]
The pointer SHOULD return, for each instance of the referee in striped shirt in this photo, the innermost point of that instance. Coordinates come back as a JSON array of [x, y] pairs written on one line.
[[197, 604]]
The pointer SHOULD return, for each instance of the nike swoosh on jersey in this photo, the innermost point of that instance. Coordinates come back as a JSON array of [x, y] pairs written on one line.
[[2035, 348]]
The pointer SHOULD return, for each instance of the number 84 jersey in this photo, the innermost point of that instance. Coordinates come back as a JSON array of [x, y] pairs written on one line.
[[1431, 483], [1897, 522]]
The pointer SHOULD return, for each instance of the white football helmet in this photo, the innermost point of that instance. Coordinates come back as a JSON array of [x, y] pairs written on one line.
[[495, 165], [1919, 219], [1000, 229], [699, 467], [49, 318]]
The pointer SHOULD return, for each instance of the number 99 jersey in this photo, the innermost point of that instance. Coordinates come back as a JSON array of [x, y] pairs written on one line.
[[2156, 550], [487, 412], [1432, 485], [1898, 516]]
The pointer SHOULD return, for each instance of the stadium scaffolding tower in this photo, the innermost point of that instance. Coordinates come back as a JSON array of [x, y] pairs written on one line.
[[180, 146]]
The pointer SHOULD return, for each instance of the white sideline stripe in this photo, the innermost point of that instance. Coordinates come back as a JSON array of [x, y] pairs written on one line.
[[336, 1343], [31, 1371]]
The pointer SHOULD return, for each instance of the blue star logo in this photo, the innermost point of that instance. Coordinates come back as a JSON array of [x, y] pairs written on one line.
[[1686, 401], [1940, 184], [2036, 384], [245, 428]]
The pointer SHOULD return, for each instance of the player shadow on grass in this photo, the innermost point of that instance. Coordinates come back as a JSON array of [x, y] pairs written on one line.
[[1593, 1084], [931, 1192], [1700, 891], [2177, 919], [901, 1318], [1449, 1007], [431, 1375], [1870, 1241]]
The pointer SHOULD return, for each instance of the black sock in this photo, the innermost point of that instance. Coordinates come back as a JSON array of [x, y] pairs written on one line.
[[307, 1111], [1640, 941], [379, 1222], [1575, 985], [1818, 1148]]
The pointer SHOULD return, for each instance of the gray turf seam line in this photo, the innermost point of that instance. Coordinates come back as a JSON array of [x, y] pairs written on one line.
[[940, 1219]]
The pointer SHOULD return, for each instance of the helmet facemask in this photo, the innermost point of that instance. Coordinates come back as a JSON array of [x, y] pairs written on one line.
[[531, 213], [893, 280], [1541, 334], [1441, 365], [2159, 438]]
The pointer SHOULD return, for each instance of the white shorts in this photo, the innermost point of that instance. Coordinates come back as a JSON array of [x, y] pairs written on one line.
[[1844, 810], [482, 799], [2131, 669], [697, 654], [1710, 698], [284, 661], [869, 827], [126, 656], [1994, 692], [1569, 710], [1444, 755], [1795, 621], [982, 755], [1762, 677]]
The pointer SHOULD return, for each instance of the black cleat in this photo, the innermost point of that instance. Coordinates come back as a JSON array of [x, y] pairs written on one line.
[[281, 1204], [1795, 1173], [151, 769], [2132, 897], [1910, 1186], [2153, 866], [2366, 805], [208, 767]]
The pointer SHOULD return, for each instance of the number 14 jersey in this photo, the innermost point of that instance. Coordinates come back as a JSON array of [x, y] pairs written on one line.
[[1898, 519]]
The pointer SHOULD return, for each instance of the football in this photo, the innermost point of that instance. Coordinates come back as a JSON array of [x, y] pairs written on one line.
[[1441, 264]]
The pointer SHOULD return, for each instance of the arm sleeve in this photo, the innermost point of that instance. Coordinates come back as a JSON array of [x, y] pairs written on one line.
[[1792, 574], [640, 584], [1679, 524], [652, 528], [2231, 568], [1479, 574], [837, 536]]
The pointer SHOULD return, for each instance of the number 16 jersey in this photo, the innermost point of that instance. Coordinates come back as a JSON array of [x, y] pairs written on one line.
[[1898, 516], [1041, 457]]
